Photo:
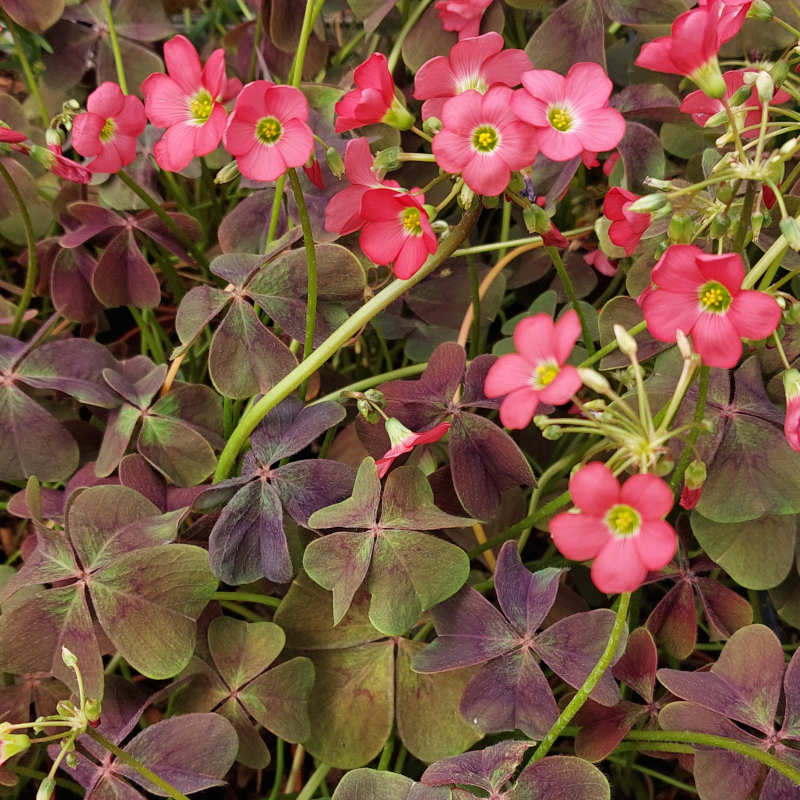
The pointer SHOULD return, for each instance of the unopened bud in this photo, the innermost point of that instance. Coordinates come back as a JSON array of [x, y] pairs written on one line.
[[53, 137], [657, 183], [725, 193], [791, 384], [779, 72], [335, 163], [541, 420], [721, 117], [741, 95], [398, 116], [11, 744], [720, 225], [760, 10], [788, 147], [791, 232], [230, 172], [684, 345], [681, 229], [72, 104], [536, 219], [387, 160], [765, 87], [552, 433], [594, 380], [432, 126], [648, 203], [695, 475], [792, 314], [93, 709], [627, 344], [466, 197], [46, 789], [69, 658], [664, 466], [367, 411]]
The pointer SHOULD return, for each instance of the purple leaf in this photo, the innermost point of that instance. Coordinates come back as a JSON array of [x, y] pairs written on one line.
[[791, 687], [473, 383], [290, 426], [358, 511], [198, 307], [745, 682], [673, 621], [92, 220], [561, 778], [247, 541], [192, 752], [245, 228], [123, 277], [579, 22], [245, 358], [572, 647], [470, 631], [726, 611], [525, 597], [489, 769], [603, 728], [35, 15], [149, 224], [637, 667], [140, 391], [52, 560], [642, 155], [71, 285], [648, 100], [511, 693], [175, 449], [485, 461], [242, 650], [116, 438], [307, 486]]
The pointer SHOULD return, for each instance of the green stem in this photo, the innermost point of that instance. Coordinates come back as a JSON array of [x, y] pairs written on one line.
[[311, 258], [275, 213], [312, 9], [112, 34], [376, 380], [30, 239], [762, 265], [279, 759], [386, 753], [302, 372], [676, 482], [397, 49], [723, 742], [313, 782], [744, 218], [130, 761], [30, 78], [155, 207], [654, 774], [588, 342], [488, 248], [36, 774], [591, 681], [248, 597], [251, 70]]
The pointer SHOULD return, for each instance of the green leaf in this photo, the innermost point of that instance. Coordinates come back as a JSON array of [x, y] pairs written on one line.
[[361, 784], [147, 602], [757, 554], [428, 718], [351, 707], [176, 450], [410, 573], [241, 650]]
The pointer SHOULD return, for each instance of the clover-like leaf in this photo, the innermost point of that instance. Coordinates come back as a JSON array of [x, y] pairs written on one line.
[[407, 572]]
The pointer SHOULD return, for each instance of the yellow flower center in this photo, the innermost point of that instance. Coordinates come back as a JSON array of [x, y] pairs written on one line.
[[714, 297], [201, 106], [268, 130], [485, 138], [544, 375], [623, 520], [559, 118], [411, 222], [107, 131]]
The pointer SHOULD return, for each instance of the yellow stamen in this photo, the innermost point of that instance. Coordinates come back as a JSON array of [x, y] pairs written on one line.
[[560, 118]]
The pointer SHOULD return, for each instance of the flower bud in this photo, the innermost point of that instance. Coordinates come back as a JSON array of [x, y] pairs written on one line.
[[335, 163], [792, 314], [93, 709], [541, 420], [71, 760], [69, 658], [648, 203], [741, 95], [366, 409], [681, 229], [536, 219], [720, 225], [725, 193], [663, 466], [594, 380], [791, 232], [228, 173], [398, 116], [765, 87], [696, 474], [788, 147], [53, 138], [11, 744], [760, 10], [46, 789], [466, 197], [552, 433], [432, 126], [627, 344], [657, 183], [779, 70], [386, 160]]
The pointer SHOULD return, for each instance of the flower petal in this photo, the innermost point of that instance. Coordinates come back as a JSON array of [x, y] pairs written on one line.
[[509, 373], [578, 536], [649, 495], [716, 340], [518, 408], [618, 567], [656, 543], [755, 315], [594, 489]]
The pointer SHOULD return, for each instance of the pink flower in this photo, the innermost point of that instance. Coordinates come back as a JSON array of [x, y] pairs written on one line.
[[472, 64], [791, 426], [690, 497], [571, 113], [702, 107], [692, 46], [373, 101], [396, 230], [60, 165], [701, 295], [621, 528], [10, 135], [601, 262], [732, 14], [482, 139], [463, 16], [267, 131], [626, 227], [343, 212], [404, 441], [187, 103], [610, 163], [537, 372], [108, 129], [313, 172]]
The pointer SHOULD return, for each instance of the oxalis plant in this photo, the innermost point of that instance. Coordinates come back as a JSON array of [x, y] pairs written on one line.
[[399, 399]]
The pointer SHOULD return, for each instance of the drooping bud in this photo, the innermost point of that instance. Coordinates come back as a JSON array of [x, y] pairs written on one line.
[[93, 709], [335, 163], [228, 173], [11, 744], [760, 10], [720, 225], [552, 433], [386, 160], [53, 138], [681, 229], [69, 658], [594, 380], [648, 203], [466, 197], [791, 232], [46, 789], [765, 87], [627, 344], [432, 126], [741, 95], [693, 480], [536, 219]]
